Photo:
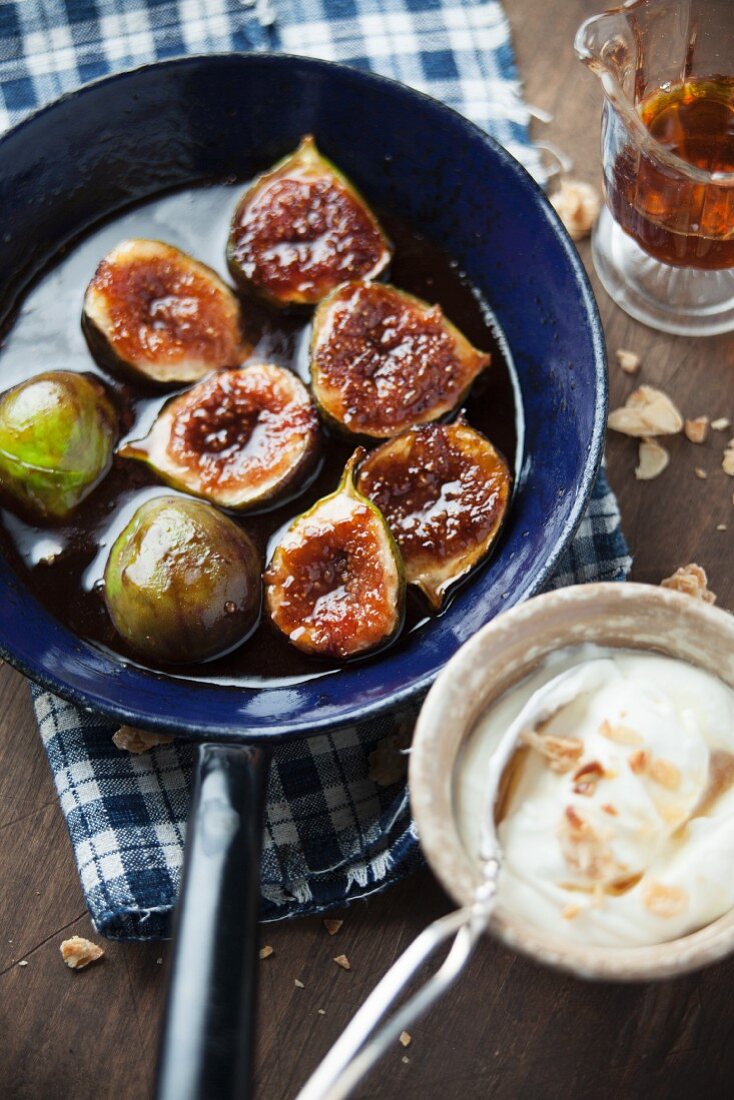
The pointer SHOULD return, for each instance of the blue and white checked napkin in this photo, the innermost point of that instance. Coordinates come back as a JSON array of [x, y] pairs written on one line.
[[338, 823]]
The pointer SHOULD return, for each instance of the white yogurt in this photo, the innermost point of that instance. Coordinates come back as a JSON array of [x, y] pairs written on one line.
[[621, 832]]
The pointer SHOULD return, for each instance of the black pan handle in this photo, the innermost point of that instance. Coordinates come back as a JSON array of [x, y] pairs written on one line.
[[206, 1046]]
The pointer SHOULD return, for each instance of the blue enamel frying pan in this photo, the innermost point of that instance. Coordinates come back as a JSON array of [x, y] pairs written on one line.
[[129, 137]]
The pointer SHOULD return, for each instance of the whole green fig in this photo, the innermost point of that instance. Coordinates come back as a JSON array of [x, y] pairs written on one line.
[[182, 582], [57, 432]]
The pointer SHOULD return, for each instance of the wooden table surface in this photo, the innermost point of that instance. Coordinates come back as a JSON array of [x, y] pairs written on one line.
[[509, 1029]]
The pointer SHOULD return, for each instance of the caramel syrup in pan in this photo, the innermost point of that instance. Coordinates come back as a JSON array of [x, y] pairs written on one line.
[[63, 564]]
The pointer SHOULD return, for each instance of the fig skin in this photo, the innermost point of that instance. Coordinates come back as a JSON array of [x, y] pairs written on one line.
[[444, 491], [57, 434], [301, 229], [241, 439], [383, 360], [155, 312], [182, 582], [335, 585]]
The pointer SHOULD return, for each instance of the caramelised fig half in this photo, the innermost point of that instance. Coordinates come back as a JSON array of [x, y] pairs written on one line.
[[57, 433], [444, 490], [241, 438], [155, 310], [335, 585], [182, 582], [301, 229], [382, 360]]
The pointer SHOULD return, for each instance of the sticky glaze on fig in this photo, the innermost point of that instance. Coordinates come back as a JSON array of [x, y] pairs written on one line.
[[301, 229], [63, 564], [383, 360]]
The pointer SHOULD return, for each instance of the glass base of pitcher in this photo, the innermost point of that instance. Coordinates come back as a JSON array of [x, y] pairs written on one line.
[[684, 300]]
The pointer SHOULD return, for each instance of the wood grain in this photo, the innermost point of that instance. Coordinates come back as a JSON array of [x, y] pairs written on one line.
[[509, 1029]]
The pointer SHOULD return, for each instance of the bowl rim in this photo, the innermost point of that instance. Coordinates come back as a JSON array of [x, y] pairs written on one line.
[[432, 787], [50, 674]]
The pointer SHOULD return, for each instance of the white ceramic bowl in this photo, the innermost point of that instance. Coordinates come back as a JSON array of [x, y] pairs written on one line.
[[629, 616]]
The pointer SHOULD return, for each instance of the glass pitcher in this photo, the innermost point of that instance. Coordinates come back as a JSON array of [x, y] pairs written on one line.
[[664, 244]]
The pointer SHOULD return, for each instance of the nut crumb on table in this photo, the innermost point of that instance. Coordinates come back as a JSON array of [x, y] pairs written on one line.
[[652, 459], [697, 430], [691, 580], [130, 739], [646, 412], [343, 962], [629, 361], [78, 952], [577, 205]]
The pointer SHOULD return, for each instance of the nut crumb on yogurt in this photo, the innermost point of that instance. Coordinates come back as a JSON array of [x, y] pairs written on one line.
[[634, 844]]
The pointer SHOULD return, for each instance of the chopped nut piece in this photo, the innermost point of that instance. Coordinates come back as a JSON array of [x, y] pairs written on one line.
[[692, 581], [23, 962], [298, 984], [665, 773], [569, 912], [700, 473], [721, 424], [321, 1011], [332, 926], [721, 527], [727, 462], [577, 205], [652, 459], [406, 1038], [638, 762], [405, 1060], [697, 430], [561, 753], [78, 952], [647, 411], [134, 740], [587, 777], [664, 901], [628, 361], [623, 735], [267, 951], [584, 850], [343, 962]]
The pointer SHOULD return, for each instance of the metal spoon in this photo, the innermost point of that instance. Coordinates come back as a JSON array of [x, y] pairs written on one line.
[[364, 1041]]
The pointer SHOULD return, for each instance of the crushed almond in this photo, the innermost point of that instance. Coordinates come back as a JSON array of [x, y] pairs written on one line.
[[570, 912], [691, 580], [405, 1060], [577, 205], [652, 459], [560, 753], [621, 734], [721, 527], [23, 962], [584, 850], [267, 951], [587, 777], [664, 901], [298, 983], [697, 430], [727, 462], [638, 761], [721, 424], [646, 412], [137, 741], [343, 962], [700, 473], [321, 1011], [406, 1038], [78, 952], [628, 361], [664, 773], [332, 926]]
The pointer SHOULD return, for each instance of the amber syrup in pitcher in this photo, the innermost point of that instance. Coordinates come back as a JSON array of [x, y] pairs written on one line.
[[675, 218]]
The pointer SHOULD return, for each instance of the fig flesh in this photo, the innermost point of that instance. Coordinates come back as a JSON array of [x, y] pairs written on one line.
[[182, 582], [57, 433], [335, 585], [444, 490], [301, 229], [240, 438], [156, 311], [382, 360]]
